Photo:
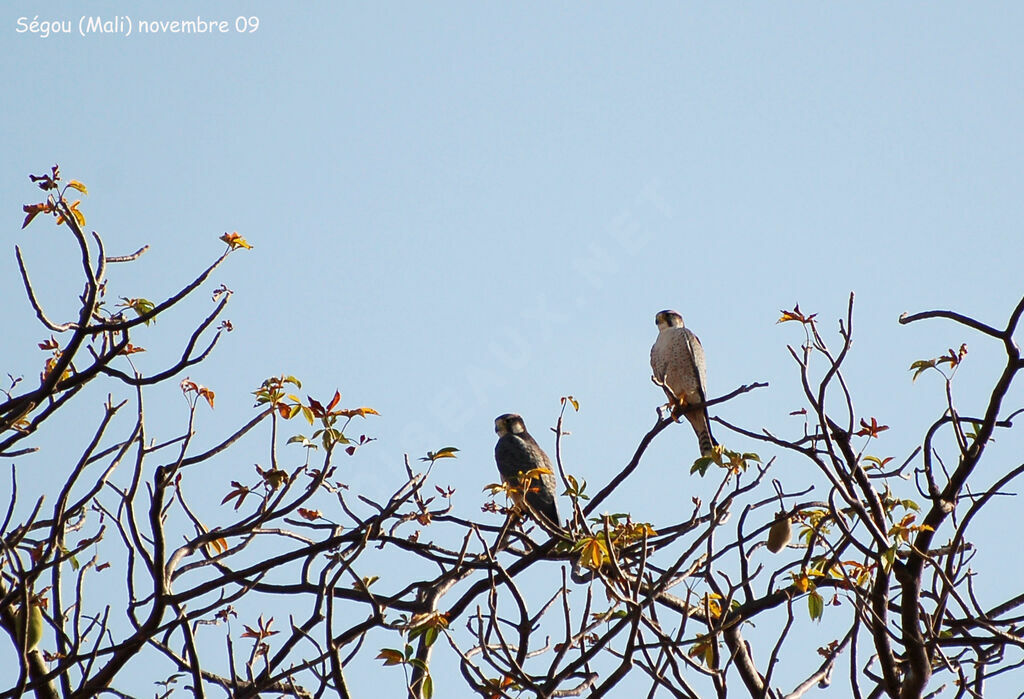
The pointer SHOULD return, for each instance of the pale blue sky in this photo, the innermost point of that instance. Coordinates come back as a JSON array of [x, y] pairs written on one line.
[[465, 209]]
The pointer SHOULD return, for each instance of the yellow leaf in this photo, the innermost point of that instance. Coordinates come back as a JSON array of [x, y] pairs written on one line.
[[217, 546], [75, 184], [703, 650], [429, 619], [445, 453], [495, 488], [365, 582], [235, 241], [534, 473], [796, 315], [207, 394], [357, 412], [79, 216], [593, 553]]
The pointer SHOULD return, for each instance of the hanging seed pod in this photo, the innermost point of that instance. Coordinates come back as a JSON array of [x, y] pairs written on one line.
[[781, 533], [35, 625]]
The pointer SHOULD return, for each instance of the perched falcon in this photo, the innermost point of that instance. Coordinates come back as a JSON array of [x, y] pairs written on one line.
[[517, 452], [677, 360]]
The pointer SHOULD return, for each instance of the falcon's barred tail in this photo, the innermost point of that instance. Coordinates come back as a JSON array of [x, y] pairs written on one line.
[[702, 428]]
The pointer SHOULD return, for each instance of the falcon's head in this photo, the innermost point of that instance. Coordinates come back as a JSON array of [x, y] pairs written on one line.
[[668, 319], [509, 423]]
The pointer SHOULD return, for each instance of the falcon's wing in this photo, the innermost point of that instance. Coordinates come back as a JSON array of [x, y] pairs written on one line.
[[701, 422], [696, 353]]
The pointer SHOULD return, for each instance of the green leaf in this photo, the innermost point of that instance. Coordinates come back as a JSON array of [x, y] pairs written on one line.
[[919, 366], [888, 557], [574, 489], [430, 635], [329, 437], [140, 306], [303, 440], [428, 687], [71, 559], [701, 465], [815, 605], [390, 656], [875, 462]]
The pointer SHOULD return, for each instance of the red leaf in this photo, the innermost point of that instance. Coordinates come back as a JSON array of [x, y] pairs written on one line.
[[33, 210], [240, 491], [871, 429], [334, 401]]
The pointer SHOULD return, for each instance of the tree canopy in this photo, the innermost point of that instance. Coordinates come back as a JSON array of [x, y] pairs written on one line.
[[275, 592]]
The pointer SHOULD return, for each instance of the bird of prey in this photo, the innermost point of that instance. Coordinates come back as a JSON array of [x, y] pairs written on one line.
[[517, 453], [677, 360]]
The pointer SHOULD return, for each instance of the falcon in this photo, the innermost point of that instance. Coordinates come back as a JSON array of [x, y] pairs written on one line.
[[517, 453], [677, 360]]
